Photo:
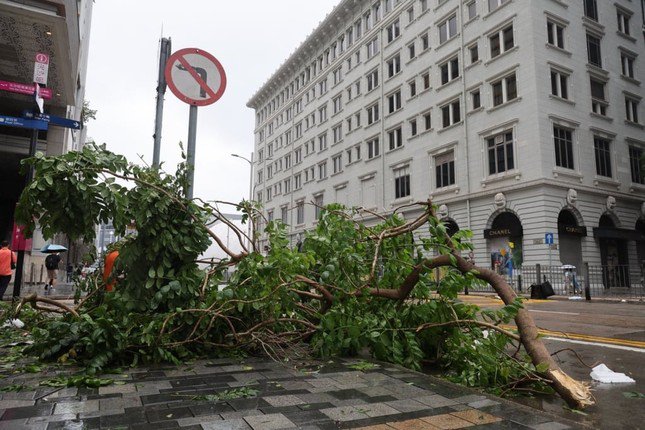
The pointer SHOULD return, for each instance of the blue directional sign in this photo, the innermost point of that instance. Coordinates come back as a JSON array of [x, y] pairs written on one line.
[[13, 121], [548, 238], [54, 120]]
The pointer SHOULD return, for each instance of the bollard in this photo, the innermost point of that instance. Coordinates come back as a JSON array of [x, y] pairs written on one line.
[[519, 283], [585, 267], [538, 274]]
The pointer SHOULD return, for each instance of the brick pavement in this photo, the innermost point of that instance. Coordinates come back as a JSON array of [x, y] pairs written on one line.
[[334, 396]]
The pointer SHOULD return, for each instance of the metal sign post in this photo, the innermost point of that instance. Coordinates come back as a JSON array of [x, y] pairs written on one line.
[[164, 53], [196, 78], [548, 239]]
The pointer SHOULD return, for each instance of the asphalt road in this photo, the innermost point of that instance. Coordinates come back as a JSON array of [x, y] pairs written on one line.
[[599, 332]]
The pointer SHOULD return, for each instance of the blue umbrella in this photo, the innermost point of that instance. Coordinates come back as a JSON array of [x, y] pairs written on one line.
[[51, 248]]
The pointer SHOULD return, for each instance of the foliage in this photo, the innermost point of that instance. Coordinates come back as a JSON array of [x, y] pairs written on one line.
[[328, 298], [233, 393]]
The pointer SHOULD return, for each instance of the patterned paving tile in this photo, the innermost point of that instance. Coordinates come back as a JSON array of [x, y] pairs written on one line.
[[447, 422], [269, 422], [477, 417]]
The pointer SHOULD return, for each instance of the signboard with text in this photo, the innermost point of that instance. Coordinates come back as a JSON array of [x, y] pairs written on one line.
[[27, 89], [41, 68]]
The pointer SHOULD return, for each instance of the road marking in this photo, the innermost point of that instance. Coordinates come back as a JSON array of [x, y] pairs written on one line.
[[583, 337], [554, 312], [604, 345]]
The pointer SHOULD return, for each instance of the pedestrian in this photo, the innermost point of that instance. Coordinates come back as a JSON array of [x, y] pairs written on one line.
[[7, 264], [70, 271], [51, 264], [108, 277]]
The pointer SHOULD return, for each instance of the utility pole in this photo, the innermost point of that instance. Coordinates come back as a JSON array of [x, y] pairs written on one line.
[[250, 192], [164, 53]]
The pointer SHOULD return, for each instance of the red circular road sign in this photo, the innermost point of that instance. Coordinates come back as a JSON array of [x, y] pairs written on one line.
[[195, 76]]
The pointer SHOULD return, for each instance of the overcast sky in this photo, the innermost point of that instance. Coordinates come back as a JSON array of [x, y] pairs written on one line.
[[250, 38]]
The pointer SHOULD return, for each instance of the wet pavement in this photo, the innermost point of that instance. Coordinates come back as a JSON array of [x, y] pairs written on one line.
[[207, 395]]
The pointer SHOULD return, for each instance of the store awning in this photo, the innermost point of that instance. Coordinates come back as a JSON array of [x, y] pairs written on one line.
[[617, 233]]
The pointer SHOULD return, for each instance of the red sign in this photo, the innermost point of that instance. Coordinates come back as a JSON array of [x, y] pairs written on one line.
[[18, 240], [28, 89], [195, 77]]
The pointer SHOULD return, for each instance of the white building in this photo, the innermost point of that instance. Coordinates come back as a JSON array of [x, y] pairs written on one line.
[[518, 118]]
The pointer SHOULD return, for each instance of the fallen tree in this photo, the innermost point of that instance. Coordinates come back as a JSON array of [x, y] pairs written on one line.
[[353, 285]]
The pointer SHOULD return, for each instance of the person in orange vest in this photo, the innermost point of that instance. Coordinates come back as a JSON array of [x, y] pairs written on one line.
[[7, 264], [110, 258]]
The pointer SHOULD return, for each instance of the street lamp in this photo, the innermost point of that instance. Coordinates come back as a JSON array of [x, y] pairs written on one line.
[[250, 190]]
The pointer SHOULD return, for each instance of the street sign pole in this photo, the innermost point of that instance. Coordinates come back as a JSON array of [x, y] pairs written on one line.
[[190, 151], [198, 79], [161, 91]]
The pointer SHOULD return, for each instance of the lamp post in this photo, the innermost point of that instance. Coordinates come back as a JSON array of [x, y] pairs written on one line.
[[250, 190]]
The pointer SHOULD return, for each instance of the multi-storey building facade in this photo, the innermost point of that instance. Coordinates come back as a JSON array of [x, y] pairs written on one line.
[[60, 29], [517, 118]]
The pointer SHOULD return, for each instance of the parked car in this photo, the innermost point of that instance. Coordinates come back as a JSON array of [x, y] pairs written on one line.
[[88, 270]]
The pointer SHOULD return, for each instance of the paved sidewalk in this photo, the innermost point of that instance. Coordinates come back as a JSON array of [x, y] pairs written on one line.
[[325, 397]]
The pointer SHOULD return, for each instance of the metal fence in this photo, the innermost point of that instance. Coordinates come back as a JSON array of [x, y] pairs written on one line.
[[596, 281]]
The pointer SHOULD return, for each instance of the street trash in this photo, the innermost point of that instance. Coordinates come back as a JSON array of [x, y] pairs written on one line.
[[14, 322], [575, 298], [602, 373], [541, 291]]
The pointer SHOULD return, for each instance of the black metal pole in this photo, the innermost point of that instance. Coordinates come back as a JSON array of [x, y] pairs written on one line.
[[17, 283]]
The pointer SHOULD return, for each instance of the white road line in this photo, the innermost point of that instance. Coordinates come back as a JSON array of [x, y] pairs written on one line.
[[554, 312], [605, 345]]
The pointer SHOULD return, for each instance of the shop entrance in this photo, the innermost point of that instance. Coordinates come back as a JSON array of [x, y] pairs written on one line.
[[640, 244], [613, 254], [504, 240], [570, 236]]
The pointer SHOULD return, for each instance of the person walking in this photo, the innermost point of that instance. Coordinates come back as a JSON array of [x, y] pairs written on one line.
[[7, 264], [51, 264]]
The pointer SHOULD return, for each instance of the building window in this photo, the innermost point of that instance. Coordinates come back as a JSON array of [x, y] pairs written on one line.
[[393, 31], [372, 47], [603, 156], [357, 119], [555, 34], [319, 203], [475, 99], [623, 21], [412, 50], [635, 163], [372, 80], [426, 80], [337, 75], [449, 70], [504, 90], [445, 170], [559, 84], [594, 55], [372, 114], [424, 5], [591, 9], [298, 155], [284, 214], [270, 216], [563, 141], [413, 127], [402, 182], [270, 171], [322, 86], [411, 14], [395, 138], [322, 170], [501, 41], [598, 101], [337, 133], [494, 4], [448, 29], [627, 65], [412, 85], [322, 142], [337, 102], [631, 109], [427, 121], [300, 212], [373, 149], [472, 10], [322, 114], [287, 161], [451, 113], [474, 53], [269, 193], [393, 65], [297, 181], [337, 162], [500, 153], [425, 41], [394, 101]]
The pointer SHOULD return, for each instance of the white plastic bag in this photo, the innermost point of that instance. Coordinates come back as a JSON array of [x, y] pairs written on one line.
[[605, 375]]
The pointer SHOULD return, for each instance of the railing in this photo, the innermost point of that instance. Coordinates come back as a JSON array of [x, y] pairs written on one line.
[[621, 281]]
